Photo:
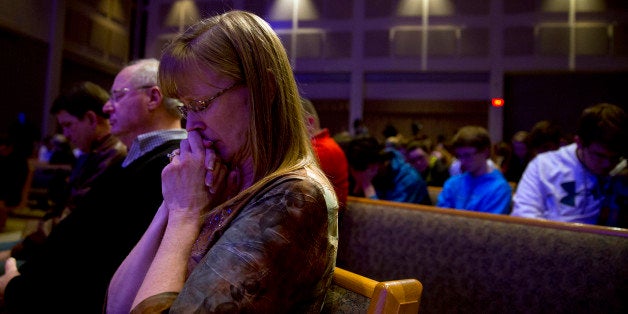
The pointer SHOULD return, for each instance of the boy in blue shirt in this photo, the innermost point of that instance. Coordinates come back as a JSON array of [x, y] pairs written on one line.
[[478, 187], [380, 172]]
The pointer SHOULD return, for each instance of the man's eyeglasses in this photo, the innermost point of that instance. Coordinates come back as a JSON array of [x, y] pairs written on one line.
[[200, 105], [118, 94]]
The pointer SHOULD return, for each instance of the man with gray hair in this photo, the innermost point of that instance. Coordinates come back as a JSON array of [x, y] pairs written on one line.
[[81, 254]]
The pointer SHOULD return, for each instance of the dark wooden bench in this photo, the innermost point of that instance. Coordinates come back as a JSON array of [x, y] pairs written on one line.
[[471, 262]]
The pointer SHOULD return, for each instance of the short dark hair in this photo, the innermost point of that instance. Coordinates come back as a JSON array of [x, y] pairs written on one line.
[[544, 135], [363, 151], [80, 98], [472, 136], [389, 130], [606, 124]]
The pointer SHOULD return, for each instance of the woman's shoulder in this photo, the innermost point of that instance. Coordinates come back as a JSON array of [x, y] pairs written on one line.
[[298, 181], [298, 184]]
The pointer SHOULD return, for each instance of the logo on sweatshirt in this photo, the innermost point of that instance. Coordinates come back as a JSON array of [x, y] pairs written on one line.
[[570, 189]]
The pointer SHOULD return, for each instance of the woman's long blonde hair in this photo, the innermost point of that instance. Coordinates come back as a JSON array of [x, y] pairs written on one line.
[[242, 46]]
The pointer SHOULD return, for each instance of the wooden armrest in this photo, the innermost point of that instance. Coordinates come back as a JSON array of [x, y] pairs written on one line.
[[394, 296]]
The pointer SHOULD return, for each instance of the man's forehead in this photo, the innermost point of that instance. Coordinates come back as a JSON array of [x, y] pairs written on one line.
[[123, 78]]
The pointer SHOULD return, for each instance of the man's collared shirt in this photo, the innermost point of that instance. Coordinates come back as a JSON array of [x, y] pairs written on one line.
[[148, 141]]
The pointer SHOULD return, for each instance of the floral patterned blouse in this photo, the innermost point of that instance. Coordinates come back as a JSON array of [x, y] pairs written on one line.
[[273, 250]]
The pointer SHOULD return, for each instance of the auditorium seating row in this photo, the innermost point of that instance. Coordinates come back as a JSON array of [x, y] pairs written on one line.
[[469, 262]]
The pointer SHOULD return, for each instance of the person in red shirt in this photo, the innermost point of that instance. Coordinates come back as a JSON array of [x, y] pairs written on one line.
[[331, 157]]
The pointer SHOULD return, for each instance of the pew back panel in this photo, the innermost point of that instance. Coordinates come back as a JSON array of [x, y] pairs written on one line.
[[480, 263]]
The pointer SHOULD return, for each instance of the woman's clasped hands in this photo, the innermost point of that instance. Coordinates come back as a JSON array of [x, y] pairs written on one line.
[[196, 179]]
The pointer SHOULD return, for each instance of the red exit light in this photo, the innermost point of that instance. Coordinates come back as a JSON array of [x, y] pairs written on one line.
[[497, 102]]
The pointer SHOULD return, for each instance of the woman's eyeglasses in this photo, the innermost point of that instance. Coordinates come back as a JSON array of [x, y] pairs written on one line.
[[200, 105]]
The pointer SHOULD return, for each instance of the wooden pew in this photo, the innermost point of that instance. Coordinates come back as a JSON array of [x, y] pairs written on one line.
[[353, 293], [471, 262]]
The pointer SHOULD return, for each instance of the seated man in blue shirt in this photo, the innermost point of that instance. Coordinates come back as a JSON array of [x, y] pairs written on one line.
[[478, 187], [380, 172]]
